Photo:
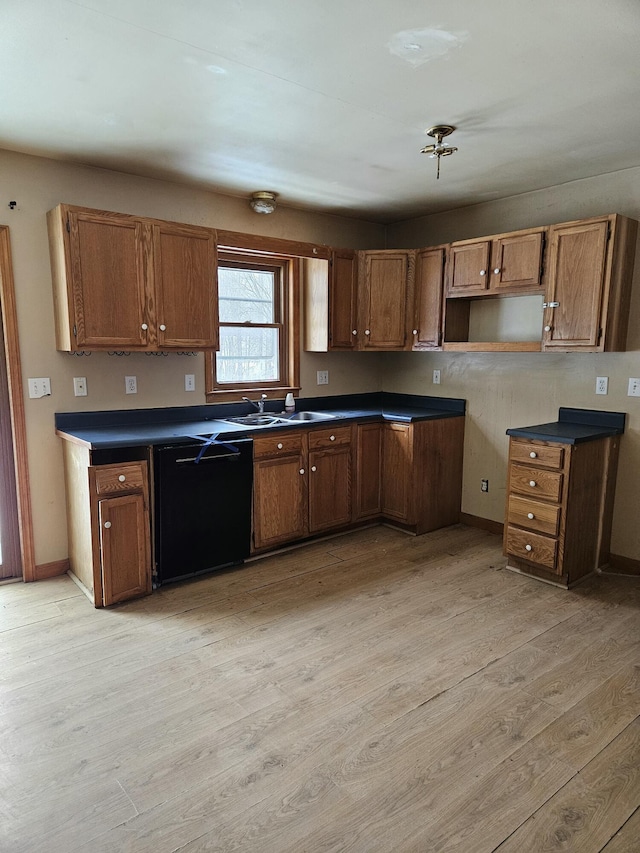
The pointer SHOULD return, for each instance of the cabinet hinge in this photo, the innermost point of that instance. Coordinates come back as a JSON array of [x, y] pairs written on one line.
[[68, 226], [75, 331], [600, 336]]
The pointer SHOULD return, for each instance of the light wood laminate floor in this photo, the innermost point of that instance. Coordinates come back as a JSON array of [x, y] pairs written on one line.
[[374, 692]]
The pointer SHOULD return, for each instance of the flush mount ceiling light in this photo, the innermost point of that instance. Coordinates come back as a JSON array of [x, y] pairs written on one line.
[[263, 201], [440, 148]]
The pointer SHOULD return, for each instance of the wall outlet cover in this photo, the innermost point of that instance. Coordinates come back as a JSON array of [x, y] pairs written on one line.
[[634, 388], [602, 384], [130, 385], [436, 377], [189, 382]]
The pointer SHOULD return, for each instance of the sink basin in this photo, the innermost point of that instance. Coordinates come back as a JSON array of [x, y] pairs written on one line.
[[254, 420], [310, 416]]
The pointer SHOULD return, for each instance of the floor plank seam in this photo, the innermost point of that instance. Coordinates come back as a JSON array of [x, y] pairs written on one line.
[[620, 828]]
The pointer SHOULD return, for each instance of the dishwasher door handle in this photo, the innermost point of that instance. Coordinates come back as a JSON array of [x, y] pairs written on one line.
[[206, 458]]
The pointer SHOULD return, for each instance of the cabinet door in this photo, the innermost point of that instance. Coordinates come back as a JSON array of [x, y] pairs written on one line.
[[387, 289], [108, 280], [397, 465], [124, 548], [342, 300], [516, 262], [279, 500], [469, 268], [430, 269], [368, 471], [184, 262], [329, 488], [577, 256]]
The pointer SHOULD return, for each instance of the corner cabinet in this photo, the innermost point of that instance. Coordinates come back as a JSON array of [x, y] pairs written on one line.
[[589, 284], [131, 283], [109, 526]]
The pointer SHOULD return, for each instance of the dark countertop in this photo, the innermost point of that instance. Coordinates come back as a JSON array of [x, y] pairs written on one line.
[[575, 426], [135, 427]]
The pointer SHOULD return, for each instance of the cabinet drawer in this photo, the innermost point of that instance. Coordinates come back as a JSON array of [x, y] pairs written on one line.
[[532, 547], [537, 454], [277, 445], [329, 437], [534, 515], [535, 483], [118, 479]]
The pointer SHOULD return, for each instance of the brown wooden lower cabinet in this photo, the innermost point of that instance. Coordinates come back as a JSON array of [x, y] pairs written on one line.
[[368, 463], [109, 527], [301, 485], [560, 507]]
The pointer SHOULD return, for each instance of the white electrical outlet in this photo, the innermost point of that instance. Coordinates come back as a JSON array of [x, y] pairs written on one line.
[[189, 382], [634, 388], [80, 386], [322, 377], [40, 387], [602, 384], [436, 377], [130, 385]]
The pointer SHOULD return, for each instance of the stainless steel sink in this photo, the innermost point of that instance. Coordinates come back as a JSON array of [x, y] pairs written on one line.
[[254, 420], [309, 416]]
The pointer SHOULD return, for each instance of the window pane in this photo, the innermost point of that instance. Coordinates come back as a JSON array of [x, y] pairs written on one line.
[[246, 296], [248, 354]]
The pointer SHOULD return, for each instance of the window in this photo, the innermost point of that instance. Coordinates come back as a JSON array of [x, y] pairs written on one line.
[[258, 308]]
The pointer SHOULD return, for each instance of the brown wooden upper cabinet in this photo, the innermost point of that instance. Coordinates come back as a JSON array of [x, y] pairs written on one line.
[[589, 284], [129, 283], [502, 263], [431, 265], [385, 297]]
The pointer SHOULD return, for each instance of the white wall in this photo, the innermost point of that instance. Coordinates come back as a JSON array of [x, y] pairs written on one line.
[[38, 185], [517, 389]]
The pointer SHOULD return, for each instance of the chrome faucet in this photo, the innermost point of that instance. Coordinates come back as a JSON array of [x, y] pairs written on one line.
[[259, 404]]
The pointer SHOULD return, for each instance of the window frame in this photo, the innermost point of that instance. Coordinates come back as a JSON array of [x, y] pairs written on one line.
[[287, 311]]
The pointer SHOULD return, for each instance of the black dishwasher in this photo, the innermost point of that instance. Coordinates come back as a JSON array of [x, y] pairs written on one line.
[[202, 507]]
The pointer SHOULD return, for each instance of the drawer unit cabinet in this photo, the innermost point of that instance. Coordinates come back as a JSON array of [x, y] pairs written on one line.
[[109, 527], [559, 507]]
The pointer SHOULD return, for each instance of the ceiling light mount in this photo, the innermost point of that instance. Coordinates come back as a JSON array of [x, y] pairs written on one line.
[[263, 201], [440, 148]]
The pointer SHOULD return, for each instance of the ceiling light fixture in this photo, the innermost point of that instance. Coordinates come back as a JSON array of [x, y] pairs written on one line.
[[263, 201], [440, 149]]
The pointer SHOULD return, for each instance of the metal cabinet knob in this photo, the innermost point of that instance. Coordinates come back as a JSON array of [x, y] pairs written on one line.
[[530, 515], [107, 524], [547, 328], [367, 332], [163, 328], [533, 454], [528, 548], [302, 470], [332, 438], [497, 271], [313, 468], [354, 331], [532, 483], [280, 445], [144, 326], [122, 478], [483, 272], [415, 331]]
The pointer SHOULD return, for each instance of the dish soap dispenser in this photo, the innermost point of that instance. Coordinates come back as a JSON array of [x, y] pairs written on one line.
[[289, 403]]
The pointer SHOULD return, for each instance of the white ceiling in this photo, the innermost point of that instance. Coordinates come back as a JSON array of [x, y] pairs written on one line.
[[326, 101]]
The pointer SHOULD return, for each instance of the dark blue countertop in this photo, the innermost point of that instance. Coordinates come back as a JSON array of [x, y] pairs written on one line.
[[133, 427], [575, 426]]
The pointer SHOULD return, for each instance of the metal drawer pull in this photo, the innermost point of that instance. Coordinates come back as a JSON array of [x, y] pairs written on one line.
[[207, 458], [530, 515], [533, 454], [528, 548], [122, 478], [532, 483]]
